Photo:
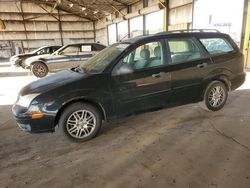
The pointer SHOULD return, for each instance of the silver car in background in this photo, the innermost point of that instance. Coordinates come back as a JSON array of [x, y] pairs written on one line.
[[17, 60], [68, 56]]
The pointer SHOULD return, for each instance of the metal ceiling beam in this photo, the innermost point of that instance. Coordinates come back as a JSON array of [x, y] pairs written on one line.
[[49, 12], [125, 5]]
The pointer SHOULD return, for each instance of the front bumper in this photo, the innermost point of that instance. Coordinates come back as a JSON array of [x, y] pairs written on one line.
[[26, 123], [16, 63]]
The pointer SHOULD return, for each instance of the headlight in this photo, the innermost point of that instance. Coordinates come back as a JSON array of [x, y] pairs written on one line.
[[34, 109], [26, 100]]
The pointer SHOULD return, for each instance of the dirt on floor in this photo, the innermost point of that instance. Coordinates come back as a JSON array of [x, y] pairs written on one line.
[[182, 147]]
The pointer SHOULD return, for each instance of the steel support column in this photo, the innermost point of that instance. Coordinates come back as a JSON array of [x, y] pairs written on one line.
[[246, 31]]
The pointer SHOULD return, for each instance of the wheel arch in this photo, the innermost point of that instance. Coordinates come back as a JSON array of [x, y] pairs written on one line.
[[98, 106], [222, 78], [37, 61]]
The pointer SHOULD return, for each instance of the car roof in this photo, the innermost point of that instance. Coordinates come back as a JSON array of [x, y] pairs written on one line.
[[89, 43], [42, 47], [179, 33]]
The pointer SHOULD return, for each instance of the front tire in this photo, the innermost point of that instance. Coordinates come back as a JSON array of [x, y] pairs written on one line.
[[215, 96], [80, 122], [39, 69]]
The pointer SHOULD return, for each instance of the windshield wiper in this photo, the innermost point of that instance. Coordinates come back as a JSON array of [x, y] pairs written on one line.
[[79, 69]]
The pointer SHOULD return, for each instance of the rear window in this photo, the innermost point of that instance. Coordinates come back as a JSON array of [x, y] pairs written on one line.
[[217, 45]]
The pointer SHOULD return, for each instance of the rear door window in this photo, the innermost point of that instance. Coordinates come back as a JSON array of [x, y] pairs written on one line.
[[183, 50], [217, 45]]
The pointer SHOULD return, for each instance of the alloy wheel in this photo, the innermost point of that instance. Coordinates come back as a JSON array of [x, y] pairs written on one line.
[[81, 124], [216, 96], [39, 70]]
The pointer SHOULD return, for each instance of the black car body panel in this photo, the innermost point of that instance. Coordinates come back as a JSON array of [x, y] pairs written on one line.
[[119, 95]]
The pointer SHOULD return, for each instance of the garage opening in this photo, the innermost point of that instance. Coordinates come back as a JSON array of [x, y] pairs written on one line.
[[225, 16]]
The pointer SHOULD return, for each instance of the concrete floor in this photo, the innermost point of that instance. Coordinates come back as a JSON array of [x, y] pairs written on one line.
[[182, 147]]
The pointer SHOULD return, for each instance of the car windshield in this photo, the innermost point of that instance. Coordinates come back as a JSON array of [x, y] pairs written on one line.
[[99, 62], [37, 50]]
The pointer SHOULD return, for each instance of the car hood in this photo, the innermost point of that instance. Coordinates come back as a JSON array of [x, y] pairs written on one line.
[[51, 82], [21, 55]]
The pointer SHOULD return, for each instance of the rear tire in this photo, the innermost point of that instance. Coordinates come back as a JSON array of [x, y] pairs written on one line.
[[80, 122], [215, 96], [39, 69]]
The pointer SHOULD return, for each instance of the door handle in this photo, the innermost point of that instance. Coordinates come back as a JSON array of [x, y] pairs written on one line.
[[202, 65], [158, 75]]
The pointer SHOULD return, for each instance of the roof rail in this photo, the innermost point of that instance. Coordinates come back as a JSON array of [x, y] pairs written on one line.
[[191, 30]]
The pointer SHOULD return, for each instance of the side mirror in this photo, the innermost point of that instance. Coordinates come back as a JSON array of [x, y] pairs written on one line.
[[124, 69]]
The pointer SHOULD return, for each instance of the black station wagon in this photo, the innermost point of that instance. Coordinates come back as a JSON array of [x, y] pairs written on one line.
[[137, 75]]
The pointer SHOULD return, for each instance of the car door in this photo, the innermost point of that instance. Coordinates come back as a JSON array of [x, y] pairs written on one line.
[[189, 64], [66, 58], [140, 81]]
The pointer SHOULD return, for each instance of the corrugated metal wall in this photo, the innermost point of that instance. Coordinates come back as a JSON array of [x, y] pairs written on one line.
[[35, 27]]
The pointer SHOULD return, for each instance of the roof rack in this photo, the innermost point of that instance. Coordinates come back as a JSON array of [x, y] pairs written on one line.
[[191, 30]]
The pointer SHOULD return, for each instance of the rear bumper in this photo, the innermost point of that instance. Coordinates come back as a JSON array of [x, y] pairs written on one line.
[[238, 80]]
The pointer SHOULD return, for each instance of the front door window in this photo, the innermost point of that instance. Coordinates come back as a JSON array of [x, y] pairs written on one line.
[[145, 56]]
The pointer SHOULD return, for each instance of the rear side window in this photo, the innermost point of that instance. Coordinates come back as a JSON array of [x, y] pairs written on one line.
[[183, 50], [217, 45]]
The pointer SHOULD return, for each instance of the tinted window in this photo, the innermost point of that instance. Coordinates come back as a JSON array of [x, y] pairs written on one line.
[[147, 55], [183, 50], [97, 47], [43, 51], [217, 45], [54, 48]]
